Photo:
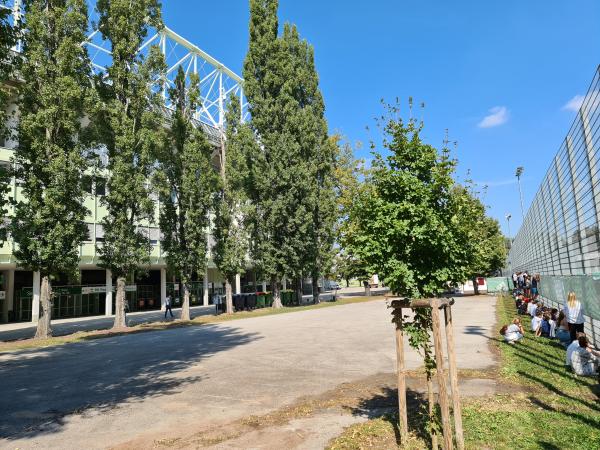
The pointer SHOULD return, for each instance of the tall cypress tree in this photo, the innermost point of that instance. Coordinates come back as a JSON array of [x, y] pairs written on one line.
[[315, 179], [8, 60], [232, 210], [130, 126], [54, 95], [295, 164], [186, 182]]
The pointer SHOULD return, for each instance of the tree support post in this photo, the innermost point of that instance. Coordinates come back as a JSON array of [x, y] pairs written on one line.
[[402, 410], [456, 406], [439, 362]]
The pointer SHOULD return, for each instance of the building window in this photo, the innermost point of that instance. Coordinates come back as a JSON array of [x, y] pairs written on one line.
[[89, 237], [99, 233], [154, 235], [100, 186], [87, 182]]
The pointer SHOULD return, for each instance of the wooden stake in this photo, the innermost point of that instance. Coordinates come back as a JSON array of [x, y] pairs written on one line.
[[442, 389], [402, 413], [458, 426], [431, 405]]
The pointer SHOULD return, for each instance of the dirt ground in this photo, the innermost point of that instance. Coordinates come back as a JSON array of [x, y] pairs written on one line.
[[311, 422]]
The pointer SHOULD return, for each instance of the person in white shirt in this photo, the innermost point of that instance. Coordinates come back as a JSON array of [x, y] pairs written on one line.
[[513, 332], [584, 359], [533, 309], [572, 346], [574, 312], [536, 322]]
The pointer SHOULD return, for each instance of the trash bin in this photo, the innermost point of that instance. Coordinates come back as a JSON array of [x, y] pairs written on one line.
[[251, 301], [261, 299], [269, 299]]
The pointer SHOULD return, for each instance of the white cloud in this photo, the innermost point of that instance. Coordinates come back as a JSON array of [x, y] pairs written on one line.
[[498, 116], [574, 104]]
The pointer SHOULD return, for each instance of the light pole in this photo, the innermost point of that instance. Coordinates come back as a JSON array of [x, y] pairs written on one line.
[[508, 217], [518, 174]]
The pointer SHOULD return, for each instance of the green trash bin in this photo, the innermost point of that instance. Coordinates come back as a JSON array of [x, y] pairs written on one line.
[[261, 300], [269, 299]]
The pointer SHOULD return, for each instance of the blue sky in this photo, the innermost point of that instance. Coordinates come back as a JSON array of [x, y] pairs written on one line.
[[496, 74]]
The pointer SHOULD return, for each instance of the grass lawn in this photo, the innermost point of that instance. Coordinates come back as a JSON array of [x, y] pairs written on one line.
[[549, 408], [83, 336]]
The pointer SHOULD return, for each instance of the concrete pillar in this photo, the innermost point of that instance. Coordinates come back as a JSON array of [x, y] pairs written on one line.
[[238, 284], [163, 288], [109, 294], [205, 288], [9, 286], [264, 286], [35, 303], [4, 301]]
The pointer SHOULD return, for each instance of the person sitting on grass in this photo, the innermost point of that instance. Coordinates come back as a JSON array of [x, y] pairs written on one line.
[[514, 332], [536, 322], [584, 359], [546, 328], [562, 333], [571, 348], [533, 308]]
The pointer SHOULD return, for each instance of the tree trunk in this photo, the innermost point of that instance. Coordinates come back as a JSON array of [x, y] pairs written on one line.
[[44, 325], [347, 283], [276, 293], [185, 307], [120, 317], [255, 283], [315, 288], [475, 286], [367, 289], [228, 297]]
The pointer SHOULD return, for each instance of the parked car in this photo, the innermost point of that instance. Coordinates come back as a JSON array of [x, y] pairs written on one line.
[[331, 285]]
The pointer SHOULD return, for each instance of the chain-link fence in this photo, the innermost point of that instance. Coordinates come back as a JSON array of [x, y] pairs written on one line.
[[560, 236]]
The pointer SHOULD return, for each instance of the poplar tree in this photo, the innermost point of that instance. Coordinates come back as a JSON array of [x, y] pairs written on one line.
[[131, 125], [232, 209], [8, 61], [286, 107], [53, 97], [186, 182]]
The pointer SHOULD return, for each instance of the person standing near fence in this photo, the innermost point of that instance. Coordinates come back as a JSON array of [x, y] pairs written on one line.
[[574, 312]]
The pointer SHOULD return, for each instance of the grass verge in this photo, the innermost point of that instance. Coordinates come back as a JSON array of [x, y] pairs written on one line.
[[83, 336], [552, 409]]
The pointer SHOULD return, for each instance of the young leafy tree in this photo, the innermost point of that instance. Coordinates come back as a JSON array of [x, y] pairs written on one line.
[[482, 235], [408, 225], [53, 98], [131, 126], [186, 183], [230, 233]]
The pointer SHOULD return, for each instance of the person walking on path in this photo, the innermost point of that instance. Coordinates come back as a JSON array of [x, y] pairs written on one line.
[[168, 306], [574, 312]]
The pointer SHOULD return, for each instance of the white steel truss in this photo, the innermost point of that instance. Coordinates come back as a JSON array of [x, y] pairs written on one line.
[[217, 82]]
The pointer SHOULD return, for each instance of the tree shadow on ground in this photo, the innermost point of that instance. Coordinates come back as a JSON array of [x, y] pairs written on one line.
[[97, 323], [385, 406], [40, 388]]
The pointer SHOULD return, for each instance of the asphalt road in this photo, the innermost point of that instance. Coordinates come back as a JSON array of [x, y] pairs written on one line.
[[104, 392]]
